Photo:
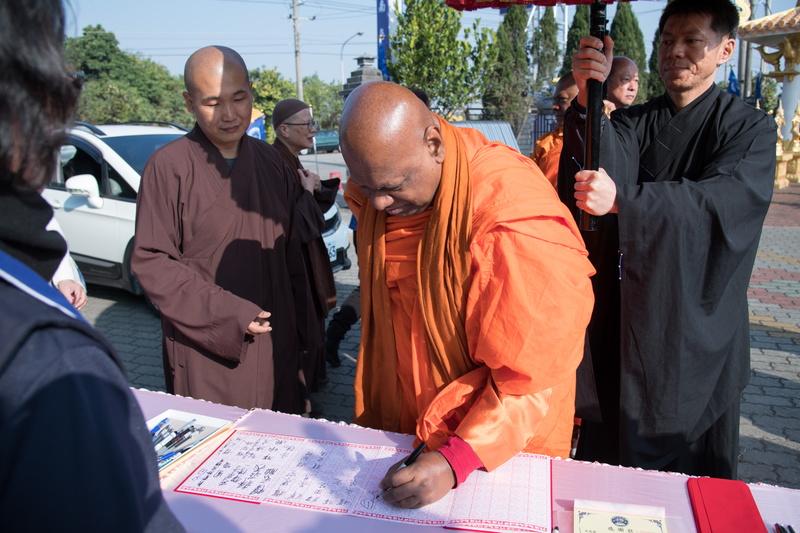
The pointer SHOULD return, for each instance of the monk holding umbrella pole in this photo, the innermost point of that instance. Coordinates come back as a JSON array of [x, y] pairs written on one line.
[[597, 28]]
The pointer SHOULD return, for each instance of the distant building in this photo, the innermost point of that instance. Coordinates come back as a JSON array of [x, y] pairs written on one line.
[[366, 72]]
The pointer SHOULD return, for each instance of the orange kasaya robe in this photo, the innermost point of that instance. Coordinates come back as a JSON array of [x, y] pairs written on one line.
[[473, 312], [547, 152]]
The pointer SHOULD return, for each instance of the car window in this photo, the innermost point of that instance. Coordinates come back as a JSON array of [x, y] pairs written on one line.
[[75, 160], [136, 149], [118, 187]]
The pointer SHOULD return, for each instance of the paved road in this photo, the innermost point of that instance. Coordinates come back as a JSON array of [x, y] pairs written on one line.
[[770, 424]]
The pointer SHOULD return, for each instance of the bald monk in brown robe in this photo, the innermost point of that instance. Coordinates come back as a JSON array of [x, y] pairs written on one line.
[[294, 131], [475, 293], [215, 251]]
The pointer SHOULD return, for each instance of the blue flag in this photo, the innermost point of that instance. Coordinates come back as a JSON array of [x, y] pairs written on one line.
[[733, 84], [757, 92], [256, 129]]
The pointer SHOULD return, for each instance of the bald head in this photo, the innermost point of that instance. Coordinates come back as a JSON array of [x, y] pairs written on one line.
[[565, 93], [565, 82], [393, 147], [396, 109], [210, 59], [623, 82], [219, 95]]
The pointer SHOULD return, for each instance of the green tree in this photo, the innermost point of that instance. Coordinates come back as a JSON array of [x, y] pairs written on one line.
[[121, 86], [655, 85], [769, 94], [579, 28], [629, 41], [97, 54], [544, 51], [430, 51], [269, 88], [506, 94], [324, 100]]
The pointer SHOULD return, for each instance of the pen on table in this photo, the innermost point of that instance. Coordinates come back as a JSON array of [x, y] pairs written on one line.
[[780, 529], [181, 431], [170, 455], [158, 426], [186, 425], [181, 440], [162, 434], [176, 438], [790, 528], [408, 462]]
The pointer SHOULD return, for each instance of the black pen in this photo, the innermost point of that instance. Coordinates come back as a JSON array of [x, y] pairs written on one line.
[[177, 437], [790, 528], [408, 462]]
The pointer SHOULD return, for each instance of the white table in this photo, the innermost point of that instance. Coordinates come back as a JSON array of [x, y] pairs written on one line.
[[571, 480]]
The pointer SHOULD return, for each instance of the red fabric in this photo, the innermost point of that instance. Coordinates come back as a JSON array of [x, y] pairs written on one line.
[[462, 458]]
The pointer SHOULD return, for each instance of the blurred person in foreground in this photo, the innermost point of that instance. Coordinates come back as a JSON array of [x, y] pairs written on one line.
[[685, 184], [74, 448], [547, 149], [475, 293], [216, 251], [622, 84], [294, 131]]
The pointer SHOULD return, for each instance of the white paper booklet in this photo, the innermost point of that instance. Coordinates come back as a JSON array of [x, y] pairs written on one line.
[[337, 477]]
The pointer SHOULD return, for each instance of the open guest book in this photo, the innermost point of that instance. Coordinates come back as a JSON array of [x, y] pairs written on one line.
[[343, 478]]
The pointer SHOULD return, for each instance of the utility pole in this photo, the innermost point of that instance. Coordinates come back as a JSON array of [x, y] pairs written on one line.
[[298, 70], [296, 22]]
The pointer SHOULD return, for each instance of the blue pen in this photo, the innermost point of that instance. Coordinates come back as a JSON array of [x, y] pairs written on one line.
[[158, 426], [170, 455], [162, 434]]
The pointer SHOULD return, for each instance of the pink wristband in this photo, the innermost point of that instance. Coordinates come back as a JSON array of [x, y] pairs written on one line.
[[461, 456]]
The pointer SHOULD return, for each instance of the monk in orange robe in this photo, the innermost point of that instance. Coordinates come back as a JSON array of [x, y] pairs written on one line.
[[475, 293], [547, 150]]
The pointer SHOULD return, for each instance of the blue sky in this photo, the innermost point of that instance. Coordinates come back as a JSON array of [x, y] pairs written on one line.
[[168, 31]]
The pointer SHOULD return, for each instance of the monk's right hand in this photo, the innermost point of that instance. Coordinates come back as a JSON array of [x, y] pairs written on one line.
[[595, 192], [426, 481], [592, 61], [260, 324]]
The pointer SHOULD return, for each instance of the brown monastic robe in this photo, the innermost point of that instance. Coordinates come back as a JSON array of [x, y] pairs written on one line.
[[214, 246], [310, 209]]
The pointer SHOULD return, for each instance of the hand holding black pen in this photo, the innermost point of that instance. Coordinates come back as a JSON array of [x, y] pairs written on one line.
[[412, 485], [408, 462]]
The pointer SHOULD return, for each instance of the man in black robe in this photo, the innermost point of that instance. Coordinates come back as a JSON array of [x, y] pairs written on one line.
[[294, 131], [684, 186]]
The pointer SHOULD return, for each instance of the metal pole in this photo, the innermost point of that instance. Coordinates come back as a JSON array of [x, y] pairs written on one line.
[[341, 54], [298, 70]]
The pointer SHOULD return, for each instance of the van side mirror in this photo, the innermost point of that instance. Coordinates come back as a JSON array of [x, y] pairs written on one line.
[[85, 185]]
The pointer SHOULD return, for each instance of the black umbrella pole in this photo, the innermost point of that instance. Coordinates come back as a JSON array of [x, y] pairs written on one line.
[[594, 110]]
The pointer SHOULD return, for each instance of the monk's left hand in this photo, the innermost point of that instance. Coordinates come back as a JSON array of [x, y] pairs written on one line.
[[310, 181], [595, 192], [426, 481]]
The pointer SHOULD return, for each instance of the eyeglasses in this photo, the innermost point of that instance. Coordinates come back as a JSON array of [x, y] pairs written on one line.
[[312, 124]]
